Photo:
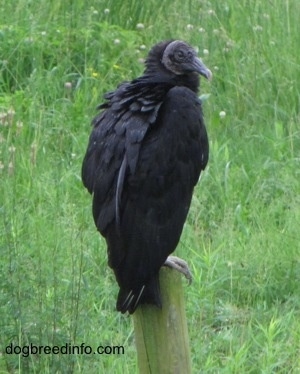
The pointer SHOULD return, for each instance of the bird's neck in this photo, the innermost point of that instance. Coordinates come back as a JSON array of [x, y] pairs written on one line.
[[168, 81], [190, 80]]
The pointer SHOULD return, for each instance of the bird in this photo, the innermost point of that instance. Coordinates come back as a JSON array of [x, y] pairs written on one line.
[[145, 153]]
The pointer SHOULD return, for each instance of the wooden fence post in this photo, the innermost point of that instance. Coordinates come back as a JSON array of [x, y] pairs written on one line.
[[161, 335]]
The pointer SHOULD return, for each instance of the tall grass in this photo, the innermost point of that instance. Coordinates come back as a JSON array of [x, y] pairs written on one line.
[[242, 234]]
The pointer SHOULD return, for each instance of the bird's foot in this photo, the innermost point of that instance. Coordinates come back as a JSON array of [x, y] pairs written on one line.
[[180, 265]]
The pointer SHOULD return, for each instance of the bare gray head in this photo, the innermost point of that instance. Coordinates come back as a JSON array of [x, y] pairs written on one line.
[[180, 58]]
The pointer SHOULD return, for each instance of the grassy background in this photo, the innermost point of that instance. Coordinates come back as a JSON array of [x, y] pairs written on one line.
[[242, 234]]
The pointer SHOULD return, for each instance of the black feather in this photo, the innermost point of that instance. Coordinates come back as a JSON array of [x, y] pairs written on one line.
[[144, 157]]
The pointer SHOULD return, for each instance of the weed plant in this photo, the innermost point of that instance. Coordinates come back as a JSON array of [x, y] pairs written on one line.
[[57, 58]]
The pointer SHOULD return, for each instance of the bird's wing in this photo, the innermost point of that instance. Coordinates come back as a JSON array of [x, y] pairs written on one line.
[[113, 150], [157, 196]]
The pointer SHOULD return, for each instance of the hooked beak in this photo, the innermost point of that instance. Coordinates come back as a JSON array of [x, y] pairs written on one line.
[[198, 66]]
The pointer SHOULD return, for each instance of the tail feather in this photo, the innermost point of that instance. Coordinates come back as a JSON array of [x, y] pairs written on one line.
[[129, 300]]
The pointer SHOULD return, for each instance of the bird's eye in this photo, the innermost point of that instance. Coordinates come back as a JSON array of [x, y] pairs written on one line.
[[179, 55]]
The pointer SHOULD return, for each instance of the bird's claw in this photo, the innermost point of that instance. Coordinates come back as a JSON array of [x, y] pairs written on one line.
[[180, 265]]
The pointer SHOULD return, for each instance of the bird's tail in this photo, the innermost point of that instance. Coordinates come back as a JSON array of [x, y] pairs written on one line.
[[129, 300]]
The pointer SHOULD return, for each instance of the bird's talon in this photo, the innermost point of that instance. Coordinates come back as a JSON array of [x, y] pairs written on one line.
[[180, 265]]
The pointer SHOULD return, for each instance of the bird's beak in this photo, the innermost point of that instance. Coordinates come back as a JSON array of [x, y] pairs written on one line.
[[200, 68]]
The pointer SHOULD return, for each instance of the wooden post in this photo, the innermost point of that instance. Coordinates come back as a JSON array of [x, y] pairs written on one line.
[[161, 335]]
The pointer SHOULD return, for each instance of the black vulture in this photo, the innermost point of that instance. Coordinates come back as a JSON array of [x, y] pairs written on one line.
[[145, 154]]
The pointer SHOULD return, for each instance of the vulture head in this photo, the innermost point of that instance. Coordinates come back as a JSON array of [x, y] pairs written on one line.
[[175, 58]]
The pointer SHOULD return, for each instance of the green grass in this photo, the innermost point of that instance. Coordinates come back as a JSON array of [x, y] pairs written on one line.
[[242, 233]]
